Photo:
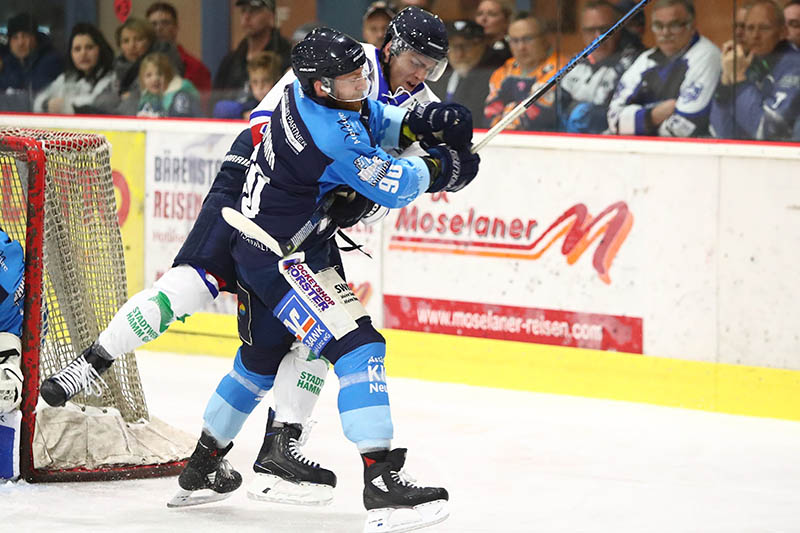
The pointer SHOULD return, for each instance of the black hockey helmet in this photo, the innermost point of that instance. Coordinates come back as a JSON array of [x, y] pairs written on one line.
[[323, 55], [422, 32]]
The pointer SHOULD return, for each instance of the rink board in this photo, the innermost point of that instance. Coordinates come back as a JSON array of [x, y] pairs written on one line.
[[666, 248]]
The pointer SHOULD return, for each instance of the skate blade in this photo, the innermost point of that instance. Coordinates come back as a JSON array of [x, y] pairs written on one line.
[[187, 498], [269, 488], [394, 520]]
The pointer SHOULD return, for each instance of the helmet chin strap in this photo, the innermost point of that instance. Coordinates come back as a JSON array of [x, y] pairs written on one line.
[[385, 70]]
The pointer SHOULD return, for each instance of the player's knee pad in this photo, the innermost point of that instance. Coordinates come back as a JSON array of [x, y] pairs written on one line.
[[234, 399], [298, 383], [187, 289], [363, 396], [10, 372]]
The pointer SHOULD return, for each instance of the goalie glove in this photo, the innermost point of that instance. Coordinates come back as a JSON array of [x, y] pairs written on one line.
[[10, 372], [433, 123]]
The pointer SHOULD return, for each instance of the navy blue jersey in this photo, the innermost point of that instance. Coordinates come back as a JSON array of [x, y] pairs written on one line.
[[309, 149], [12, 267]]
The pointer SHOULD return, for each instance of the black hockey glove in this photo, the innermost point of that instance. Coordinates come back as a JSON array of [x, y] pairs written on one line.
[[433, 123], [451, 170], [349, 207]]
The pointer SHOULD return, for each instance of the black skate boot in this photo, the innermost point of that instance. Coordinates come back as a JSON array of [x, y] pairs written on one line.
[[284, 475], [208, 477], [394, 503], [82, 373]]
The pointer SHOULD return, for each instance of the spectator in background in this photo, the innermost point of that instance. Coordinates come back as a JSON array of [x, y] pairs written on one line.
[[29, 65], [466, 80], [136, 38], [163, 92], [759, 93], [164, 19], [534, 61], [738, 22], [495, 17], [263, 71], [588, 88], [258, 22], [376, 20], [791, 12], [635, 26], [668, 89], [88, 84]]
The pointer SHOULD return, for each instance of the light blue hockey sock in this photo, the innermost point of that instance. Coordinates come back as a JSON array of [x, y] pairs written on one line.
[[235, 398], [363, 397]]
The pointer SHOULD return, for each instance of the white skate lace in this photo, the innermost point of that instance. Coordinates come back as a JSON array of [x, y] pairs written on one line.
[[225, 468], [404, 478], [295, 452], [80, 375]]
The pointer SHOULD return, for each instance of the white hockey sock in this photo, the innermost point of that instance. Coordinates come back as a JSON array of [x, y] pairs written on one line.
[[178, 293], [298, 384]]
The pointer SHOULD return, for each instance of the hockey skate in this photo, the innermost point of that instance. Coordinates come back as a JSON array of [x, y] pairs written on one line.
[[284, 475], [394, 503], [82, 373], [208, 477]]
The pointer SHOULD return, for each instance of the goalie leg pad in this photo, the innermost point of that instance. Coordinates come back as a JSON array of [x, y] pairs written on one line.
[[10, 372], [180, 292], [298, 383], [235, 398]]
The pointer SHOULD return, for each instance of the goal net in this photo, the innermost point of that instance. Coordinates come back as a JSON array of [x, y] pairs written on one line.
[[58, 201]]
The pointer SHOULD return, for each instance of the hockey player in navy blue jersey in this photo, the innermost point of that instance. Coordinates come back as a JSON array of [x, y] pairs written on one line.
[[12, 267], [301, 164]]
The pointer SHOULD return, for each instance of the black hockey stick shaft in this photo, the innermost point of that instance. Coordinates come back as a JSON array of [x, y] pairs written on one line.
[[541, 91]]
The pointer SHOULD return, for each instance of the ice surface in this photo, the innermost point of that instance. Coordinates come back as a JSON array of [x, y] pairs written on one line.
[[512, 461]]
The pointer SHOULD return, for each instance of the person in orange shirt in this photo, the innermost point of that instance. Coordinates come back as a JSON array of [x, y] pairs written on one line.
[[532, 64]]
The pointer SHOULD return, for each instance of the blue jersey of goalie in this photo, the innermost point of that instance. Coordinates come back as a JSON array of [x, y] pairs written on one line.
[[12, 265]]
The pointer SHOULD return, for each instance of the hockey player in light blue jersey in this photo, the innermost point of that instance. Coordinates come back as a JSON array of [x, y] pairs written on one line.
[[327, 145]]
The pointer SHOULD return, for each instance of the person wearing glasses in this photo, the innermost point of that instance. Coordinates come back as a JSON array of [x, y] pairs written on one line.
[[533, 62], [791, 12], [759, 93], [667, 91], [587, 89]]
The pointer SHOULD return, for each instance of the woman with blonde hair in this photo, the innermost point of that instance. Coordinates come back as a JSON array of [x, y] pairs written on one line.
[[495, 17], [136, 38]]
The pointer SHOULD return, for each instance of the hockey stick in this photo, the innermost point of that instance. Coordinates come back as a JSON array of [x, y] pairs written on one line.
[[529, 101], [238, 221]]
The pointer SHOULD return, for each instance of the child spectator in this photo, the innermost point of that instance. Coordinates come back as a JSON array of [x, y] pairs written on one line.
[[136, 38], [165, 93], [88, 84], [263, 71]]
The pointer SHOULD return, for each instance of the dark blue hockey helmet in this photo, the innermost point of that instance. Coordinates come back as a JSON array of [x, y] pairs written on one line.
[[323, 55], [422, 32]]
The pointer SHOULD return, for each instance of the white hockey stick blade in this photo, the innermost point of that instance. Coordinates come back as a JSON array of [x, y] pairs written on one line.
[[269, 488], [187, 498], [391, 520], [238, 221]]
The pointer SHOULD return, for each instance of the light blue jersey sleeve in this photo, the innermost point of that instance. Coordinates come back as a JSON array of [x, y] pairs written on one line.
[[367, 169], [12, 266]]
